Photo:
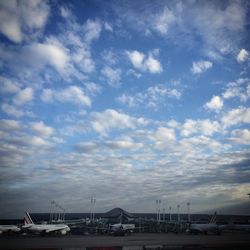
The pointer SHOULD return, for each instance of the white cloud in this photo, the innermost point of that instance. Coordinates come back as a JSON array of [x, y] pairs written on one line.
[[215, 28], [11, 110], [8, 86], [215, 104], [47, 95], [113, 76], [164, 20], [205, 127], [108, 26], [93, 88], [163, 134], [42, 129], [189, 127], [92, 30], [236, 116], [201, 66], [65, 12], [24, 96], [38, 142], [201, 143], [241, 136], [143, 63], [240, 88], [112, 119], [127, 100], [153, 65], [9, 125], [72, 94], [51, 53], [154, 97], [123, 144], [83, 59], [18, 17], [136, 58], [242, 56]]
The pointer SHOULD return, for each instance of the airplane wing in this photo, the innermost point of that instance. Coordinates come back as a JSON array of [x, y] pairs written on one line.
[[55, 229]]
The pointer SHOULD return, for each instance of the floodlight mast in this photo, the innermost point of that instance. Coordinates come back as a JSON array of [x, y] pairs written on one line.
[[188, 206], [164, 214], [94, 209], [158, 210], [170, 215], [178, 208]]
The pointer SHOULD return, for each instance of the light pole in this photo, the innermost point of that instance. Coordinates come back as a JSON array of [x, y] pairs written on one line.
[[159, 210], [188, 206], [91, 201], [178, 209], [51, 211], [170, 216], [94, 209]]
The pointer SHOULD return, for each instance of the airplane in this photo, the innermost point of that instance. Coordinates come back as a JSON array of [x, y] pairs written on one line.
[[120, 229], [235, 227], [9, 229], [44, 228], [210, 227]]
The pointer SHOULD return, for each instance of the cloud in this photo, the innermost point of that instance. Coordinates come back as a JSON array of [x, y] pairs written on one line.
[[42, 129], [8, 86], [108, 27], [110, 119], [51, 53], [72, 94], [65, 12], [144, 63], [163, 134], [239, 88], [240, 136], [113, 76], [216, 28], [201, 66], [17, 18], [236, 117], [87, 147], [153, 97], [205, 127], [242, 56], [215, 104], [164, 20], [12, 110], [9, 125], [24, 96], [92, 30], [197, 144], [125, 144]]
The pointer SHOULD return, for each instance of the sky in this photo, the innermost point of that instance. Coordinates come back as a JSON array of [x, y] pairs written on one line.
[[128, 102]]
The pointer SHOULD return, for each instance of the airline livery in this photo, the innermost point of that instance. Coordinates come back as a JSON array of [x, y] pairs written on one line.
[[44, 228]]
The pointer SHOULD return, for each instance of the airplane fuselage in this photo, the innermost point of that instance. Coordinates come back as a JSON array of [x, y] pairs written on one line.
[[9, 229]]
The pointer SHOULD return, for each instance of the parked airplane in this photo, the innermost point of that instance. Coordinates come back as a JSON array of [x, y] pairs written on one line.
[[118, 229], [44, 228], [9, 229], [235, 227], [210, 227]]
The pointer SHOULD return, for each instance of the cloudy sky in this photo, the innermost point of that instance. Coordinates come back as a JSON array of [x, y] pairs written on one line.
[[128, 103]]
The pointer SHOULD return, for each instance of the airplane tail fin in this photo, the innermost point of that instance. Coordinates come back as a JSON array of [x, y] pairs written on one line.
[[213, 219], [27, 219]]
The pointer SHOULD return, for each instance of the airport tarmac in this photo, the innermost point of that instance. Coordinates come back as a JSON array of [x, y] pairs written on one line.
[[132, 242]]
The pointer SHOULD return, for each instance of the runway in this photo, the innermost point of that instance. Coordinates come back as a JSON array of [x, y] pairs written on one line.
[[132, 242]]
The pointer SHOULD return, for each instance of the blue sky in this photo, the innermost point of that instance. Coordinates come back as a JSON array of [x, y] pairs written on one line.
[[125, 102]]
